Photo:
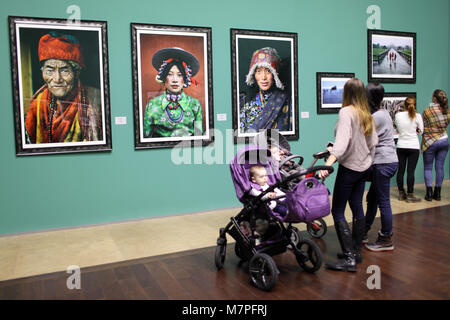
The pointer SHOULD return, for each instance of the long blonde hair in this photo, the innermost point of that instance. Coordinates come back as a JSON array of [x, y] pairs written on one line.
[[410, 106], [355, 95]]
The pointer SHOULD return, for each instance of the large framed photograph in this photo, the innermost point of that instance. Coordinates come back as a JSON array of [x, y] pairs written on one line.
[[329, 90], [60, 85], [391, 56], [264, 83], [172, 85], [394, 102]]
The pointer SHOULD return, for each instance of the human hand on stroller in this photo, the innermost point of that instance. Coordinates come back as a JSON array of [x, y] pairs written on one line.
[[323, 174]]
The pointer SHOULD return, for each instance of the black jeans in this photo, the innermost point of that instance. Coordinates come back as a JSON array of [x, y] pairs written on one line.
[[407, 159], [348, 187]]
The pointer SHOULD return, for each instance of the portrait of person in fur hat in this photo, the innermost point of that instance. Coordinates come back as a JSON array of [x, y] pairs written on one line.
[[268, 105]]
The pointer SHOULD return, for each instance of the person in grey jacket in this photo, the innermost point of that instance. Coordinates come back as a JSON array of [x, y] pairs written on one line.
[[385, 164]]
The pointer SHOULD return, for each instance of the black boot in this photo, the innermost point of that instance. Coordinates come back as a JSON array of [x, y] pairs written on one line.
[[347, 263], [359, 231], [437, 193], [429, 194]]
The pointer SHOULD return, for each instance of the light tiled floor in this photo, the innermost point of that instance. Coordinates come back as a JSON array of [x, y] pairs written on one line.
[[44, 252]]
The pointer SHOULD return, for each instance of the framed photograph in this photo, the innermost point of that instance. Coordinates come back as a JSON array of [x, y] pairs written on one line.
[[172, 86], [60, 85], [329, 90], [393, 102], [264, 83], [391, 56]]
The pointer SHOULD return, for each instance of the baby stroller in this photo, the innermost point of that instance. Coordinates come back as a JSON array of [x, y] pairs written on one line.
[[280, 233], [291, 164]]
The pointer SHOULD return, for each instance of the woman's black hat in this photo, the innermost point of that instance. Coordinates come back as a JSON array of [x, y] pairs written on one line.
[[178, 54]]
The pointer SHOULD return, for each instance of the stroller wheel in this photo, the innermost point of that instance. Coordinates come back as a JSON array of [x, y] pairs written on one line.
[[308, 255], [219, 257], [294, 236], [263, 271], [317, 228]]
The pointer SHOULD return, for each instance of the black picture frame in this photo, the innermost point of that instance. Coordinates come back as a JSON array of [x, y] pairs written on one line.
[[29, 85], [147, 39], [391, 56], [243, 45], [329, 89]]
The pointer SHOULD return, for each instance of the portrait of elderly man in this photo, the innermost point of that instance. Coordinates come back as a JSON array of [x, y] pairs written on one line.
[[63, 109]]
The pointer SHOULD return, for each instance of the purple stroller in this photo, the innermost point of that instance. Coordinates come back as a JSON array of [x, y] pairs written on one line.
[[279, 234], [290, 164]]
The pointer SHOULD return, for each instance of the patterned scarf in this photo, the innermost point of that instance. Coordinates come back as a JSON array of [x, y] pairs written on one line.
[[46, 122]]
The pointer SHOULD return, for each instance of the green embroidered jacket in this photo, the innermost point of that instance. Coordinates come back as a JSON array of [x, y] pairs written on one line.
[[160, 121]]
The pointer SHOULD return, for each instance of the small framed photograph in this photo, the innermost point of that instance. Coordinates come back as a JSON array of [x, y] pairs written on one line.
[[329, 89], [264, 83], [391, 56], [394, 102], [172, 86], [60, 85]]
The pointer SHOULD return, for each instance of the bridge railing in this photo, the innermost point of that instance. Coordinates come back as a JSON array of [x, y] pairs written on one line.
[[379, 57], [406, 56]]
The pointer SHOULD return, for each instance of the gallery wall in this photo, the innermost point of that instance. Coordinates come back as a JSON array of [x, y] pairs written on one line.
[[66, 190]]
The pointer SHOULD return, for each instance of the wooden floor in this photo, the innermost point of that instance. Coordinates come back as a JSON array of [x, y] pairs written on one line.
[[49, 251], [418, 268]]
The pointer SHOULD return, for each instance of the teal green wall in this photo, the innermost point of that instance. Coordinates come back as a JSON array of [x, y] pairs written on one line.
[[44, 192]]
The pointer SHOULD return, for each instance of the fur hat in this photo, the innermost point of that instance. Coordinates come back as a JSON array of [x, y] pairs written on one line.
[[54, 45], [268, 58]]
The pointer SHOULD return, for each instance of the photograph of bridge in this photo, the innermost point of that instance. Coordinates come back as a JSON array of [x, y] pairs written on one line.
[[391, 56]]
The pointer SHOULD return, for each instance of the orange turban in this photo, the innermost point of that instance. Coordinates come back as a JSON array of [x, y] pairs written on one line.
[[59, 46]]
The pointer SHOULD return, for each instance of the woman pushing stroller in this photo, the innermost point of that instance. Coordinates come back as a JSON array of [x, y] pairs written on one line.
[[354, 149]]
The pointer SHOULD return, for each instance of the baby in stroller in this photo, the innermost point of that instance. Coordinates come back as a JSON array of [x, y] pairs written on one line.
[[290, 164], [258, 177], [310, 196]]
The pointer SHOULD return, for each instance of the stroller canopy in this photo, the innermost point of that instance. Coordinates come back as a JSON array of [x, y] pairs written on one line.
[[271, 137], [247, 157]]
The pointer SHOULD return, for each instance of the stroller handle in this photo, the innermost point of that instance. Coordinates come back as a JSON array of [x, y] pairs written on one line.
[[330, 169], [300, 161], [321, 155]]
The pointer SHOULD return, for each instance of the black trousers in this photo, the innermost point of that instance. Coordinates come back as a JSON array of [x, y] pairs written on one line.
[[407, 159]]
